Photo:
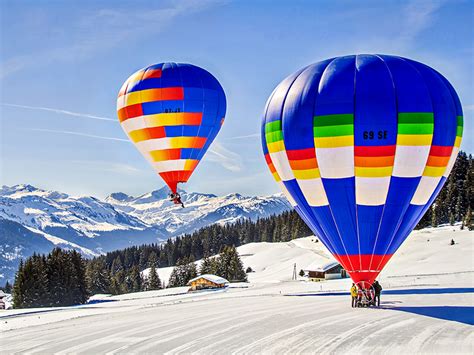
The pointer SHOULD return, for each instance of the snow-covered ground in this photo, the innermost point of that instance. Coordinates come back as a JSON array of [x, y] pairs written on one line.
[[427, 307]]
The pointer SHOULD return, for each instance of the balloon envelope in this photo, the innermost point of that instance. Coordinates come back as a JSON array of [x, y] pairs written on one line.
[[172, 112], [361, 145]]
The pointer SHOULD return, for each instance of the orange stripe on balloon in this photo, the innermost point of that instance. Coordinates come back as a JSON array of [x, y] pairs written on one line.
[[303, 164], [374, 161], [437, 161], [272, 168]]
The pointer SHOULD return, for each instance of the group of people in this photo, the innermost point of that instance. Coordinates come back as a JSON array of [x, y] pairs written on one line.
[[366, 296]]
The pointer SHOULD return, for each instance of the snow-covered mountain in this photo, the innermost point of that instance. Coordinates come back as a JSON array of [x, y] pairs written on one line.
[[93, 226]]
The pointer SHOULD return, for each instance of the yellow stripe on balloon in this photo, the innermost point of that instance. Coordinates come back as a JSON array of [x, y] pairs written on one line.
[[373, 172], [434, 171], [137, 97], [306, 174], [276, 147], [190, 164], [414, 139], [457, 142], [276, 177], [183, 142], [138, 135], [334, 142], [173, 119]]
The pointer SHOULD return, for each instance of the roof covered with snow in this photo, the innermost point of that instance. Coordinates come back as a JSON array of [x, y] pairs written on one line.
[[321, 267], [212, 278]]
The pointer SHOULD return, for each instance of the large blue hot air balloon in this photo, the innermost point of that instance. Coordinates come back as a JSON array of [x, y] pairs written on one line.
[[361, 145]]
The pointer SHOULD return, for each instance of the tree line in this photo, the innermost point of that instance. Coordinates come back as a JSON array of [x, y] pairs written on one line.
[[56, 279]]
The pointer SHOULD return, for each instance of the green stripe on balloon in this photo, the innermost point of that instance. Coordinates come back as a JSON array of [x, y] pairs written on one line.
[[415, 117], [334, 131], [273, 126], [425, 128], [273, 137], [333, 120]]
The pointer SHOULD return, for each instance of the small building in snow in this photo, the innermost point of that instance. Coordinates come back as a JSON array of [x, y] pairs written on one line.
[[2, 301], [207, 281], [329, 271]]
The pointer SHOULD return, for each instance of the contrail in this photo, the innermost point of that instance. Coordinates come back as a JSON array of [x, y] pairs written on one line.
[[244, 137], [78, 134], [65, 112]]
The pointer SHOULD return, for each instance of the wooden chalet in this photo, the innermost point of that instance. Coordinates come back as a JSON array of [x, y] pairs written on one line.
[[207, 281], [329, 271]]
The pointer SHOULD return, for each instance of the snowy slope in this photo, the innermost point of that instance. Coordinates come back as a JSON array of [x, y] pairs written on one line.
[[93, 226], [427, 307]]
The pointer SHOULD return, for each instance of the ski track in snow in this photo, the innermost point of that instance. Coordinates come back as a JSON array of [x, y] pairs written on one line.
[[428, 307]]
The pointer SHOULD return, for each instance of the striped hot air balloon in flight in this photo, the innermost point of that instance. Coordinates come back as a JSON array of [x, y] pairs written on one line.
[[361, 145], [172, 112]]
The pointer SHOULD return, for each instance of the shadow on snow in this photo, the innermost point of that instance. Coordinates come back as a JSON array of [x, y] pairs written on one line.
[[461, 314]]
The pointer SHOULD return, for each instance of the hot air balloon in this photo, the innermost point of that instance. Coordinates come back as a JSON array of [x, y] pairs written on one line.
[[172, 112], [361, 145]]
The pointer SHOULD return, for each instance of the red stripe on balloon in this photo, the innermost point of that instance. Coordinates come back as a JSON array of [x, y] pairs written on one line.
[[441, 151], [365, 267], [130, 112], [374, 151], [301, 154], [152, 73]]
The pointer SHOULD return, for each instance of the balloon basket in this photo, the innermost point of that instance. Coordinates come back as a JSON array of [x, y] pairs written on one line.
[[365, 295]]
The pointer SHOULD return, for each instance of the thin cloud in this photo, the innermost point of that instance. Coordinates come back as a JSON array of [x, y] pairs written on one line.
[[107, 166], [418, 17], [60, 111], [228, 159], [254, 135], [78, 134]]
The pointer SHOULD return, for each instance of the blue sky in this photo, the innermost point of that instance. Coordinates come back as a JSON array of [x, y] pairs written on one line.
[[63, 62]]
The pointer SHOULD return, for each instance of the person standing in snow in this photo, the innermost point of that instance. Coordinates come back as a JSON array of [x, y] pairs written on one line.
[[378, 290], [354, 294]]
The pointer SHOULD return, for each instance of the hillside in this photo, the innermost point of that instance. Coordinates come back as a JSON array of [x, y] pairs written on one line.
[[426, 308]]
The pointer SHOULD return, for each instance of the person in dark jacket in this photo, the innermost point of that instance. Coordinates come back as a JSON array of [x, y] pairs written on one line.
[[378, 290]]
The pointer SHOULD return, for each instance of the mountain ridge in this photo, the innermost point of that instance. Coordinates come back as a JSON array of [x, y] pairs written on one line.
[[93, 226]]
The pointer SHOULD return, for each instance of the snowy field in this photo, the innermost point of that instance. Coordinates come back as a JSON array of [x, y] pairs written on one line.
[[427, 307]]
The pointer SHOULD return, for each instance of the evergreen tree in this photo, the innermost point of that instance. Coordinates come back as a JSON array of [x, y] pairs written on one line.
[[8, 287], [208, 266], [56, 276], [184, 271], [134, 280], [434, 215], [153, 281], [97, 276], [229, 265], [19, 286]]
